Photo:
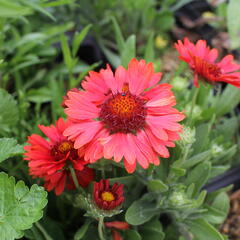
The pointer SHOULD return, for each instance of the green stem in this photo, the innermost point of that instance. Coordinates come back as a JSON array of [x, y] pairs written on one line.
[[75, 180], [100, 228], [194, 100], [42, 230]]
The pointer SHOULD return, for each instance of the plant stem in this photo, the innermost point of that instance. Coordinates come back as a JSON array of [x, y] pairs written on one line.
[[42, 230], [100, 228], [75, 180], [194, 99]]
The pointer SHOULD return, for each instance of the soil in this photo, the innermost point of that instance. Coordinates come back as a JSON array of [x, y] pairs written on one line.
[[231, 227]]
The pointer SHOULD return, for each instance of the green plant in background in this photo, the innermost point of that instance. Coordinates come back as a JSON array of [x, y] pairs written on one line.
[[39, 62]]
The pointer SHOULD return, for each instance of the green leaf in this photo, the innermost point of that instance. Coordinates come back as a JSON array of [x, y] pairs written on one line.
[[233, 22], [152, 230], [9, 9], [118, 34], [202, 230], [9, 148], [132, 234], [218, 210], [164, 20], [157, 185], [229, 99], [78, 38], [141, 211], [57, 3], [203, 156], [38, 8], [19, 206], [149, 50], [82, 230], [129, 50], [66, 52], [8, 108], [199, 175], [40, 95]]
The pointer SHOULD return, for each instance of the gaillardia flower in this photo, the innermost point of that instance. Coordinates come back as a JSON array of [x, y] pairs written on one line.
[[124, 116], [107, 197], [202, 60], [50, 159]]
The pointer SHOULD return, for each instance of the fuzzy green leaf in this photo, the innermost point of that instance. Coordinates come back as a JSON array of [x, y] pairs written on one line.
[[157, 185], [9, 148], [202, 230], [8, 108], [140, 211], [233, 22], [20, 206]]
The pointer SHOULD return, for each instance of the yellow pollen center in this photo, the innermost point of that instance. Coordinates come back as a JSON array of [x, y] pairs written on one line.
[[123, 104], [107, 196], [65, 147]]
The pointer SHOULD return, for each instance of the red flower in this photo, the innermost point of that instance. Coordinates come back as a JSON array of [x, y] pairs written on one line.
[[49, 159], [66, 97], [116, 235], [124, 116], [202, 60], [106, 197], [117, 225]]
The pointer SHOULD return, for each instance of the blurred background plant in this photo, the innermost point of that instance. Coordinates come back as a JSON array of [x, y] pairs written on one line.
[[47, 47]]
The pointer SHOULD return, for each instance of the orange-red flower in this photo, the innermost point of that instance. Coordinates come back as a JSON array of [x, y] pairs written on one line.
[[125, 116], [107, 197], [50, 159], [202, 60], [117, 225]]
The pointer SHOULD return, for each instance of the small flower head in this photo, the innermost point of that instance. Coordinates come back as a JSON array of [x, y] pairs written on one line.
[[187, 136], [107, 197], [202, 60], [50, 159]]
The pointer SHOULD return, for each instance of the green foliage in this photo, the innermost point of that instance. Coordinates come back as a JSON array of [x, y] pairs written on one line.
[[9, 111], [233, 22], [20, 206], [9, 148]]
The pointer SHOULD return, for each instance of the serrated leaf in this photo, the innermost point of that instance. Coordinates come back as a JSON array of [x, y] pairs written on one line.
[[202, 230], [9, 148], [8, 108], [20, 206]]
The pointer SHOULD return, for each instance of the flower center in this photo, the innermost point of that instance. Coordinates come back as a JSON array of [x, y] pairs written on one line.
[[107, 196], [60, 150], [65, 146], [208, 70], [123, 112]]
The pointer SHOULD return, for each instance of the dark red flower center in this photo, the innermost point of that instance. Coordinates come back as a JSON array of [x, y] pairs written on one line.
[[61, 149], [107, 196], [209, 71], [123, 112]]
